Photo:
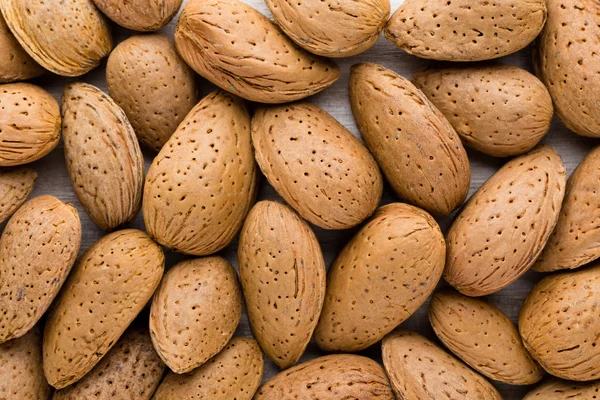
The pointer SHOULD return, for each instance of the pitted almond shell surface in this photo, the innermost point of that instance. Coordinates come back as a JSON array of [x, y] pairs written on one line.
[[140, 15], [556, 389], [15, 186], [16, 64]]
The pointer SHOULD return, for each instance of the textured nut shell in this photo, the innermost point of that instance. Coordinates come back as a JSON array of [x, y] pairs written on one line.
[[234, 373], [316, 165], [332, 28], [418, 150], [16, 64], [380, 278], [563, 390], [503, 228], [282, 272], [333, 377], [559, 324], [210, 156], [566, 61], [37, 250], [140, 15], [194, 296], [576, 239], [240, 50], [482, 336], [156, 89], [67, 39], [418, 369], [130, 370], [103, 156], [110, 285], [465, 30], [29, 123], [15, 186], [499, 110]]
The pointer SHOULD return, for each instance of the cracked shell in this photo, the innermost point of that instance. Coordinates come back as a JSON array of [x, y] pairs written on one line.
[[140, 15], [15, 186], [16, 65]]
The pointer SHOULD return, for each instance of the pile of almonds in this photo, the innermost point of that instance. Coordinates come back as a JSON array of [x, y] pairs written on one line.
[[113, 323]]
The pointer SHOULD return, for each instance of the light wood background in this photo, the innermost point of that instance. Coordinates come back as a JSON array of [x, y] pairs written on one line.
[[53, 177]]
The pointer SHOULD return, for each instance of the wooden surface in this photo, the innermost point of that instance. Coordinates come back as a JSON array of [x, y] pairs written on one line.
[[53, 177]]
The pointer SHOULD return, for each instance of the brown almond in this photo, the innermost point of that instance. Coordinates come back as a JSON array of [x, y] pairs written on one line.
[[194, 296], [505, 225], [234, 373], [153, 85], [29, 123], [418, 150], [418, 369], [67, 39], [575, 239], [240, 50], [316, 165], [16, 64], [555, 389], [110, 285], [282, 272], [481, 335], [103, 156], [38, 247], [15, 186], [382, 276], [559, 325], [333, 377], [499, 110], [202, 184], [140, 15], [464, 30]]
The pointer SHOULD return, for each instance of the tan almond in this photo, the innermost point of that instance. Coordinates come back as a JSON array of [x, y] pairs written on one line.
[[15, 186], [140, 15], [16, 65], [555, 389]]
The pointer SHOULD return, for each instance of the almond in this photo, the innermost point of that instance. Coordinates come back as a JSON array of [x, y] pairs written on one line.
[[316, 165], [15, 186], [283, 277], [499, 110], [67, 39], [16, 65], [140, 15], [103, 156], [463, 30], [418, 369], [110, 285], [418, 150], [332, 28], [483, 337], [29, 123], [333, 377], [202, 184], [382, 276], [194, 296], [38, 247], [240, 50], [506, 223], [555, 389], [234, 373]]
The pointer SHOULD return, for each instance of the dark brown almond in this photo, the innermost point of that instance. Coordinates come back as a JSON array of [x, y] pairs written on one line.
[[15, 186]]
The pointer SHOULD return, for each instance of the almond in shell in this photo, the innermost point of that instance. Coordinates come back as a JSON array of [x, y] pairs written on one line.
[[15, 186], [555, 389], [16, 65], [140, 15]]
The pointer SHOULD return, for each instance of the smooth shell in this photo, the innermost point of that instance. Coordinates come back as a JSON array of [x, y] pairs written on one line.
[[555, 389], [15, 186], [16, 64], [140, 15]]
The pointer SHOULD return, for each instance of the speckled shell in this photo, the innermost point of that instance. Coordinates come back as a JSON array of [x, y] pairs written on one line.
[[499, 110], [316, 165], [140, 15], [38, 247], [382, 276], [103, 156], [15, 186], [465, 30], [16, 64], [566, 60], [202, 184], [333, 377], [418, 369], [195, 312], [153, 85], [332, 28], [559, 324], [29, 123], [481, 335], [234, 373], [130, 370], [240, 50], [109, 286], [67, 39], [282, 272], [555, 389], [499, 234], [418, 150]]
